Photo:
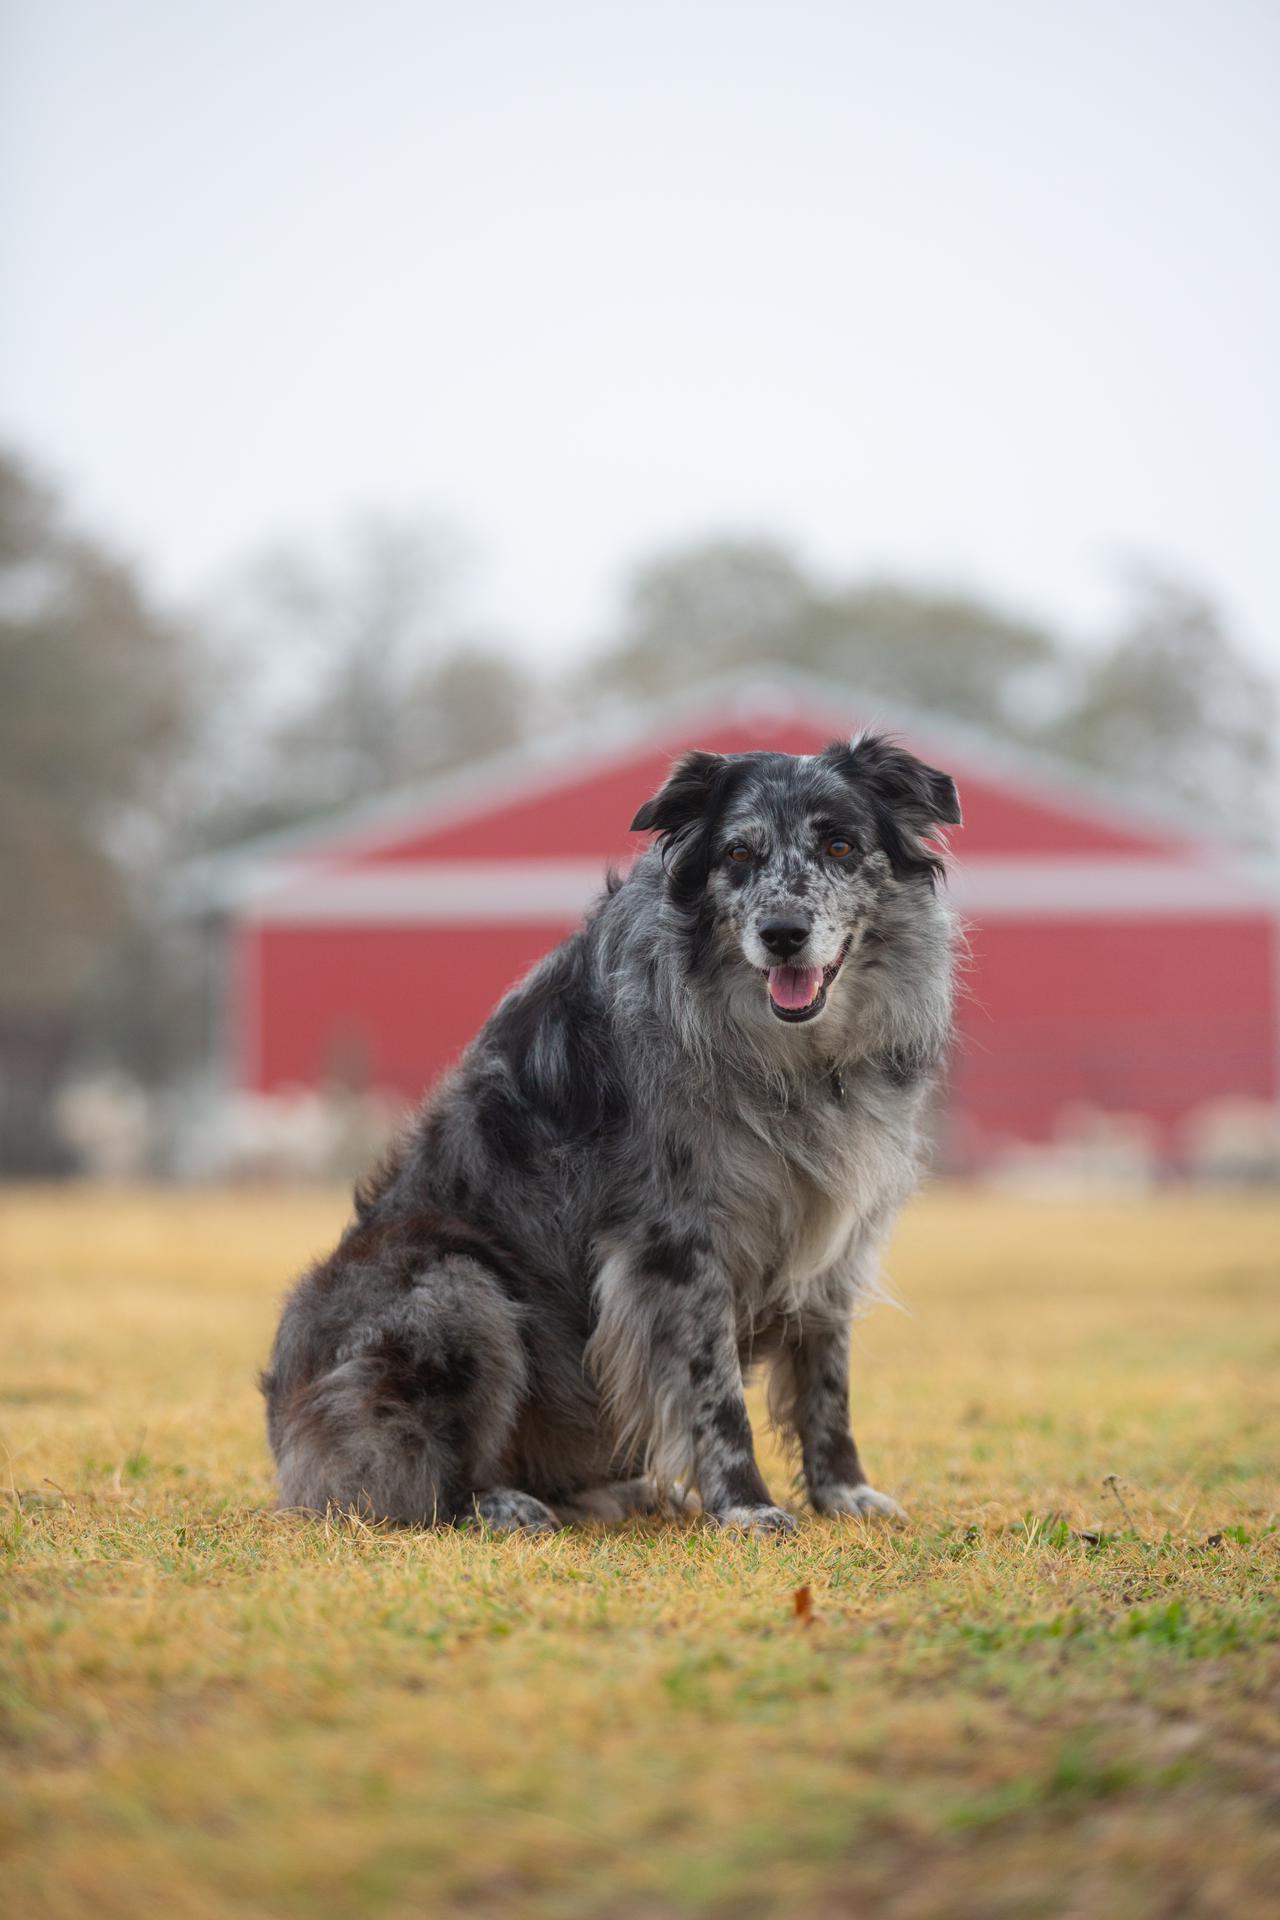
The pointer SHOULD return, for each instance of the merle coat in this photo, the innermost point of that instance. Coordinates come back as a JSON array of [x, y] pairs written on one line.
[[671, 1154]]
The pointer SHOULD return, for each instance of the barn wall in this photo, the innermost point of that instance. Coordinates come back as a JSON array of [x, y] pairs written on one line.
[[1150, 1016], [389, 1007], [1144, 1016]]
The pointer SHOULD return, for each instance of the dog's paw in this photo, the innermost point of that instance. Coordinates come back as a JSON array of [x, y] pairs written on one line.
[[862, 1500], [505, 1510], [753, 1520], [669, 1498]]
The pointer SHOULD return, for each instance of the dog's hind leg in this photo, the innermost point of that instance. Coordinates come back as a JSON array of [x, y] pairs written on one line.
[[411, 1417], [505, 1510]]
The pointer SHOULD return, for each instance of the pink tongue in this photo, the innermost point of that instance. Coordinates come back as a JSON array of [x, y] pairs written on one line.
[[793, 987]]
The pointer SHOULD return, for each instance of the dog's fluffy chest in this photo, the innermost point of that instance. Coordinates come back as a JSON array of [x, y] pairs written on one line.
[[811, 1186]]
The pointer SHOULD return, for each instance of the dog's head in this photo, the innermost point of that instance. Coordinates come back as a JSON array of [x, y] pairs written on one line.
[[784, 864]]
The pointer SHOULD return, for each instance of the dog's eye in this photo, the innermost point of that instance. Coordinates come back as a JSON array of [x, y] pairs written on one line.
[[740, 853], [839, 849]]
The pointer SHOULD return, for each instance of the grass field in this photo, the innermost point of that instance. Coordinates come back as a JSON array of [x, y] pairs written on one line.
[[1024, 1701]]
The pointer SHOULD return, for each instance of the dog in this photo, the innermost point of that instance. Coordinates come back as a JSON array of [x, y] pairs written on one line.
[[672, 1153]]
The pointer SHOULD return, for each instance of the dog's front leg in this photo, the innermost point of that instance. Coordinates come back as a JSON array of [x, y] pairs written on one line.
[[731, 1485], [665, 1355], [812, 1384]]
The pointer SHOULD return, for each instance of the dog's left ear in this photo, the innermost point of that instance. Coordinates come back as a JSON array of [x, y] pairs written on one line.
[[919, 795], [688, 795], [909, 799]]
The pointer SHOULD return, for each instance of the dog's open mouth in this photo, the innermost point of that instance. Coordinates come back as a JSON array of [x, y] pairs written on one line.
[[800, 993]]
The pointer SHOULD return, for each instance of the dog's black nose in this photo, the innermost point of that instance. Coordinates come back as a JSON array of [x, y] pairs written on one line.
[[784, 937]]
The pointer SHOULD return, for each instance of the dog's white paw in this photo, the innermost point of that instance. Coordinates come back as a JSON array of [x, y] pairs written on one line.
[[862, 1500], [753, 1520]]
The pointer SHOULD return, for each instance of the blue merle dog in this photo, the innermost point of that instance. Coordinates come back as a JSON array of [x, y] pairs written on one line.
[[672, 1153]]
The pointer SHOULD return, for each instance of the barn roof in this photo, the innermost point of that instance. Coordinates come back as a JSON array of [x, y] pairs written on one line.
[[628, 744]]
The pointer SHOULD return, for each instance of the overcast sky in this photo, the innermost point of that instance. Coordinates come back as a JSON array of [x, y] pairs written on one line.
[[983, 292]]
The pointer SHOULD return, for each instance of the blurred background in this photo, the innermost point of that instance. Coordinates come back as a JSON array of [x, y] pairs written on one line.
[[384, 390]]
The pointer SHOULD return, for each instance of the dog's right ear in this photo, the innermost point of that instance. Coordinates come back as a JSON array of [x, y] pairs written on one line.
[[688, 795]]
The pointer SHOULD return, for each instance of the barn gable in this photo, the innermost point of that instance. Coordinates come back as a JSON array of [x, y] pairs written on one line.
[[546, 821]]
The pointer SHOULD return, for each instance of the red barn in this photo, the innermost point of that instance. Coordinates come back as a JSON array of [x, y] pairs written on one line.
[[1117, 959]]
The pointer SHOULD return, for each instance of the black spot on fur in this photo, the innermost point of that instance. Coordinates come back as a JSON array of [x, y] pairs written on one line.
[[402, 1246], [730, 1421], [555, 1035], [900, 1068], [700, 935], [673, 1257], [454, 1373], [503, 1120], [407, 1377]]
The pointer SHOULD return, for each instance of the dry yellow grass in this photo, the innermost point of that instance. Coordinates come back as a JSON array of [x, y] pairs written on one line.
[[211, 1710]]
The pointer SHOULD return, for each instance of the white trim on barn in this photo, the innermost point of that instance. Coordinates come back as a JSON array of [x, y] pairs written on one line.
[[540, 892]]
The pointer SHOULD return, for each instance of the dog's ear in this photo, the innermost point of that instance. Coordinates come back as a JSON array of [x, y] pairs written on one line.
[[919, 795], [689, 794], [909, 799], [682, 814]]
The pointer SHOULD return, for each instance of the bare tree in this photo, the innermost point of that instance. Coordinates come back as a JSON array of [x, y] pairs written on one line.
[[94, 704], [728, 603], [1169, 704], [696, 609], [355, 674], [1173, 704]]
